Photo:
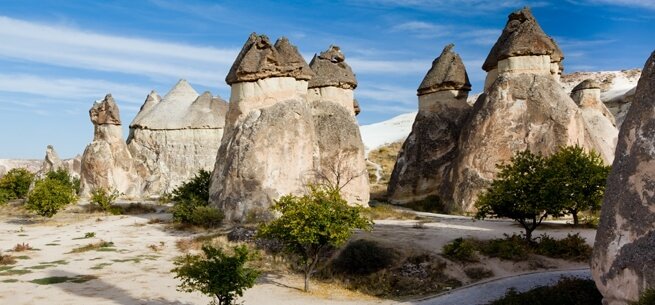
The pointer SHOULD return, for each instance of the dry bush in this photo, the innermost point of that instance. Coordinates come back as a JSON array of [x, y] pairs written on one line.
[[22, 247], [7, 259]]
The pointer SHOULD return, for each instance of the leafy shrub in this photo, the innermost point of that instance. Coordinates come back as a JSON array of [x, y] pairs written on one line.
[[512, 247], [197, 188], [49, 196], [207, 217], [573, 247], [364, 257], [104, 198], [568, 291], [194, 195], [647, 298], [216, 273], [15, 184], [65, 178], [460, 249], [478, 273]]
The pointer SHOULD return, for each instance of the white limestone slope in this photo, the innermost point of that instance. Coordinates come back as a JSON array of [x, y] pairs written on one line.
[[386, 132]]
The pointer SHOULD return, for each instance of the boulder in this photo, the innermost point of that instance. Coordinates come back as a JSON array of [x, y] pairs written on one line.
[[106, 162], [623, 261], [174, 137], [342, 161], [424, 164], [269, 146], [600, 126]]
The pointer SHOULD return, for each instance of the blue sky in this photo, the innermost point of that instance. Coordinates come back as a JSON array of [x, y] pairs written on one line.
[[58, 57]]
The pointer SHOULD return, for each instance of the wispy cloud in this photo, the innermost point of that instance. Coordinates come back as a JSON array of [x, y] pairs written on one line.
[[459, 6], [362, 65], [389, 93], [67, 47], [648, 4]]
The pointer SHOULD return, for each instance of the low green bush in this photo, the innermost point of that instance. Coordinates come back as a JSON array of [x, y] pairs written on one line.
[[647, 298], [49, 196], [364, 257], [462, 250], [15, 184], [65, 178], [104, 199], [512, 247], [206, 216], [191, 201], [478, 273], [573, 247], [567, 291]]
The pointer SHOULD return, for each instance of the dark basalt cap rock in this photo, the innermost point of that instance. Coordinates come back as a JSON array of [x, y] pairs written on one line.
[[447, 73], [522, 36], [105, 112], [332, 70], [586, 84], [260, 59]]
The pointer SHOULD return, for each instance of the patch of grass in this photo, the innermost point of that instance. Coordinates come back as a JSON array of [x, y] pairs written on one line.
[[22, 257], [461, 250], [478, 273], [100, 266], [40, 267], [15, 272], [386, 211], [5, 268], [156, 221], [52, 244], [647, 298], [99, 246], [86, 235], [22, 247], [22, 235], [58, 262], [136, 209], [135, 260], [9, 281], [573, 247], [567, 291]]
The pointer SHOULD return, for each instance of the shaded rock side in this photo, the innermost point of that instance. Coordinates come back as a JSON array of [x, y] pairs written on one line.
[[519, 111], [623, 261], [447, 73], [106, 162]]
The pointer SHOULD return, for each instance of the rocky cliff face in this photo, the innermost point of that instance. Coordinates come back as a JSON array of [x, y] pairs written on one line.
[[424, 164], [341, 161], [623, 262], [269, 147], [174, 137], [106, 162], [52, 162]]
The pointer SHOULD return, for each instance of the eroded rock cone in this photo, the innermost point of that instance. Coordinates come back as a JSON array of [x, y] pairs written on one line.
[[268, 149], [623, 262], [424, 164], [600, 126], [342, 161], [174, 137], [106, 162], [523, 107], [52, 162]]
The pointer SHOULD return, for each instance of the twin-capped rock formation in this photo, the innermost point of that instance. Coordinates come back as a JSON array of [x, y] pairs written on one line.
[[270, 145], [342, 162], [52, 162], [623, 262], [106, 162], [173, 137], [424, 164]]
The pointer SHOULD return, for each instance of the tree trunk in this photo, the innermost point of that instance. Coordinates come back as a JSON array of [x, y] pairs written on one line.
[[307, 281], [528, 234], [575, 218]]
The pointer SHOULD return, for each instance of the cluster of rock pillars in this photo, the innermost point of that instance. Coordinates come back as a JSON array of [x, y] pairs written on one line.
[[289, 123]]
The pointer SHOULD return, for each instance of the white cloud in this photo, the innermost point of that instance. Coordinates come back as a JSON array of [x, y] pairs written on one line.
[[360, 65], [66, 47], [460, 6], [648, 4], [388, 93]]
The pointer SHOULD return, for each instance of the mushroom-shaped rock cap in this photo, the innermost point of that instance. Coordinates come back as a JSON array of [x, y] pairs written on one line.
[[260, 59], [586, 84], [105, 112], [332, 70], [447, 73], [522, 36]]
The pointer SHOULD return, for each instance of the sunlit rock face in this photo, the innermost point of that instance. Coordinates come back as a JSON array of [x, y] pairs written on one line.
[[52, 162], [341, 153], [106, 162], [174, 137], [423, 167], [269, 147], [523, 107], [623, 261]]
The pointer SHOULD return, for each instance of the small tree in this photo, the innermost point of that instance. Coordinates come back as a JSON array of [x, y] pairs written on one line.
[[518, 193], [577, 180], [104, 199], [49, 196], [15, 184], [191, 200], [216, 274], [63, 176], [312, 224]]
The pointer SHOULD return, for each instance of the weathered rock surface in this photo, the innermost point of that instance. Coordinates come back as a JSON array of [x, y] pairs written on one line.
[[52, 162], [106, 162], [623, 262], [9, 164], [424, 164], [601, 133], [174, 137], [342, 162], [269, 146]]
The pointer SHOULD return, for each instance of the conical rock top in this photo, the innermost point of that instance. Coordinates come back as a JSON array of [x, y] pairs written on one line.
[[586, 84], [105, 112], [447, 73], [260, 59], [522, 36], [182, 91], [332, 70]]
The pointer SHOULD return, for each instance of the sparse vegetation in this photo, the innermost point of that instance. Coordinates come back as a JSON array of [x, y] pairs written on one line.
[[15, 184], [363, 257], [216, 274], [512, 247], [386, 211], [7, 259], [385, 157], [192, 200], [568, 291], [573, 247], [99, 246], [478, 273], [104, 199], [647, 298], [461, 250], [22, 247]]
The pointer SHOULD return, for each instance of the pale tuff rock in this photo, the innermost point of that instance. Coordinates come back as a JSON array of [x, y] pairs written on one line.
[[52, 162], [9, 164], [174, 137], [601, 132], [424, 164], [524, 107], [623, 261], [269, 146], [106, 162], [341, 162]]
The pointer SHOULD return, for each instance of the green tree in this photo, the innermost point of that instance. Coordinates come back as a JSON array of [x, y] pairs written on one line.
[[216, 273], [577, 179], [191, 200], [63, 176], [49, 196], [518, 193], [312, 224], [15, 184]]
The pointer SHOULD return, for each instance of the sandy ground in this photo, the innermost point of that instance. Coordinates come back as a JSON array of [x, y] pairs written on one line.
[[136, 270]]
